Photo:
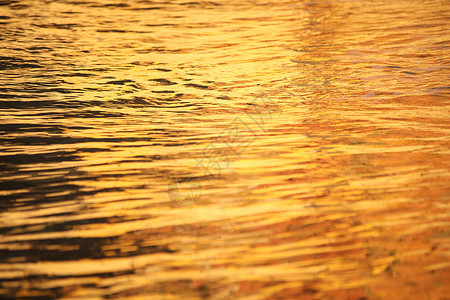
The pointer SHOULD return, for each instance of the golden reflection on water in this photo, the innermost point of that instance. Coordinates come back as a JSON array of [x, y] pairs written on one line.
[[224, 150]]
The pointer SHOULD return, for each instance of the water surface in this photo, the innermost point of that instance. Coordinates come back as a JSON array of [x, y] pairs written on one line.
[[224, 150]]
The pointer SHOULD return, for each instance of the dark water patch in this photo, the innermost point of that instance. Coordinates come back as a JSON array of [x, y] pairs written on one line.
[[119, 5], [11, 63], [163, 25], [197, 86], [163, 92], [90, 150], [71, 12], [61, 140], [163, 81], [38, 48], [31, 104], [147, 8], [42, 191], [77, 248], [393, 67], [79, 2], [76, 74], [10, 96], [24, 127], [20, 159], [120, 82], [113, 30], [203, 4], [7, 2], [57, 26]]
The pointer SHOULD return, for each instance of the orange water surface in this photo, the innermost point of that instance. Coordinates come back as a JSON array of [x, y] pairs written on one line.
[[224, 149]]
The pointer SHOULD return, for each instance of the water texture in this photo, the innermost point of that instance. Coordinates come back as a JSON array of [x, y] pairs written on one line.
[[224, 150]]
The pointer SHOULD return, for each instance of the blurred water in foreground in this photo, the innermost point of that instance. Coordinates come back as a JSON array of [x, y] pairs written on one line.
[[224, 150]]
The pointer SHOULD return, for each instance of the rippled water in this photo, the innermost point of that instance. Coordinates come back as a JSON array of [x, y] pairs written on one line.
[[224, 150]]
